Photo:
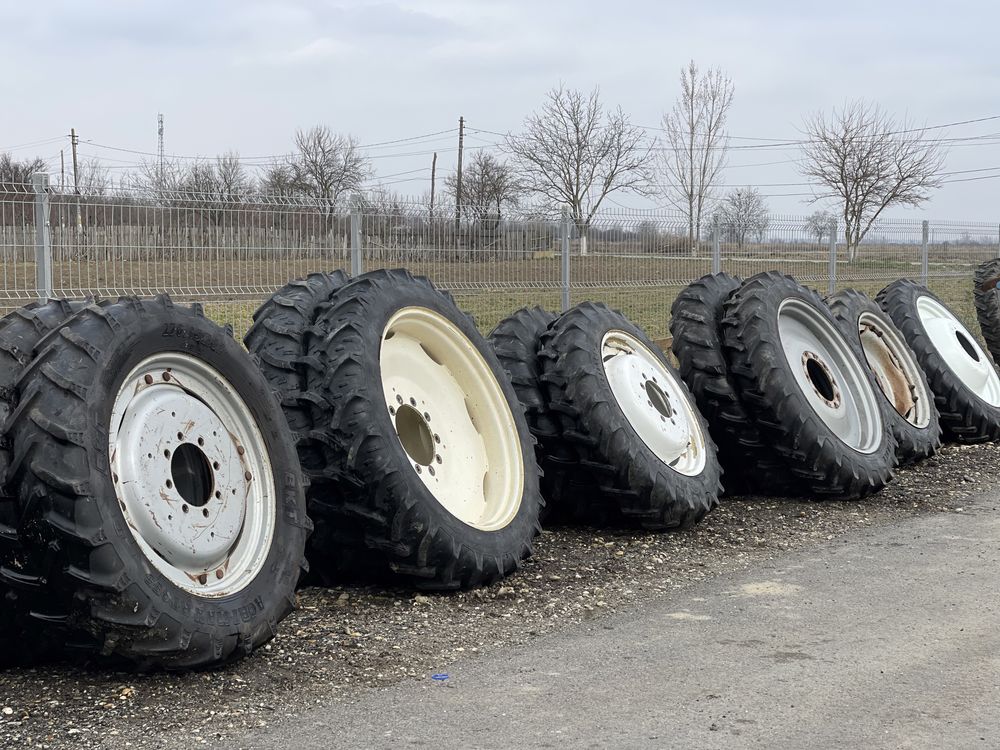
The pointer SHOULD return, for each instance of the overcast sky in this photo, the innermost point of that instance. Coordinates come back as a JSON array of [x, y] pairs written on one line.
[[245, 75]]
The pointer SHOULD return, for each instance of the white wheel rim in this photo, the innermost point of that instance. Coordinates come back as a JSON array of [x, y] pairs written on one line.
[[192, 475], [829, 375], [896, 371], [959, 350], [452, 418], [654, 402]]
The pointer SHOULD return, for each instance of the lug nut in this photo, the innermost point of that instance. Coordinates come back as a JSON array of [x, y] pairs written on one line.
[[166, 376], [148, 379], [248, 476]]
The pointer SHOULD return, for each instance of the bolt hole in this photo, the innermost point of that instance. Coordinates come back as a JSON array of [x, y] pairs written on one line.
[[415, 435], [218, 495], [192, 474], [969, 347], [820, 379], [180, 435], [185, 508], [169, 484], [658, 399], [166, 453], [201, 441], [204, 512]]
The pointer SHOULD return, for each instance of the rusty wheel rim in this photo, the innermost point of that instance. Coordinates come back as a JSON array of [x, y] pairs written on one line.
[[192, 475]]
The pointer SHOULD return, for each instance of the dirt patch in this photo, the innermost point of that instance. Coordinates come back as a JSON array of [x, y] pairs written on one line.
[[345, 640]]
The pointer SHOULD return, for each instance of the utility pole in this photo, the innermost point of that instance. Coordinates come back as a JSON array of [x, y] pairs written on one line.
[[62, 170], [458, 179], [434, 164], [159, 149], [73, 139]]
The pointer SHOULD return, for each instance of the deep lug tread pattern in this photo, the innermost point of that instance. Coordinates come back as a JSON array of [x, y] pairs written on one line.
[[617, 478], [516, 340], [913, 443], [987, 299], [383, 521], [749, 463], [98, 583], [21, 331], [826, 465], [279, 339], [964, 417]]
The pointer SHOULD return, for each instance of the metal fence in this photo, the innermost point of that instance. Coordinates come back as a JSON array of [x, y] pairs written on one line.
[[231, 252]]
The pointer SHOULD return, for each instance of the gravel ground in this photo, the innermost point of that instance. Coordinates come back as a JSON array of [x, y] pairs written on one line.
[[345, 640]]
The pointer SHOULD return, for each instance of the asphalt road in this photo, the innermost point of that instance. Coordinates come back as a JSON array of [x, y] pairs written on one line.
[[889, 639]]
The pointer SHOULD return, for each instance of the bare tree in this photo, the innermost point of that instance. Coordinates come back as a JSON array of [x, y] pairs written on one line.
[[15, 175], [93, 178], [818, 225], [573, 153], [868, 161], [490, 187], [744, 214], [327, 165], [695, 144], [279, 180]]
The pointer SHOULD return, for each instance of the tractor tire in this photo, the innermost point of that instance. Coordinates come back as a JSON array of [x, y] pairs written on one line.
[[279, 339], [160, 495], [987, 298], [633, 425], [964, 381], [436, 462], [748, 462], [912, 416], [516, 340], [806, 385], [21, 331]]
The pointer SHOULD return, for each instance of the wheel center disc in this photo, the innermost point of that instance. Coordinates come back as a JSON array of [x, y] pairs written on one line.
[[829, 375], [653, 402], [452, 418], [959, 349], [191, 474]]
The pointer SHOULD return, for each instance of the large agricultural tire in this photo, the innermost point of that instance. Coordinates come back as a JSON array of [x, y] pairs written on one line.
[[516, 340], [159, 492], [749, 463], [987, 299], [279, 338], [964, 381], [805, 383], [21, 331], [438, 472], [912, 416], [634, 427]]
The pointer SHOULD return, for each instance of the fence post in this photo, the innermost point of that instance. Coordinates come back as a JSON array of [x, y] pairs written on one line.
[[565, 231], [716, 247], [356, 265], [924, 252], [43, 239], [831, 286]]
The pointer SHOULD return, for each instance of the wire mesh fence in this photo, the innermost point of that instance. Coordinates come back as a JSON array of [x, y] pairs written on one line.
[[230, 252]]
